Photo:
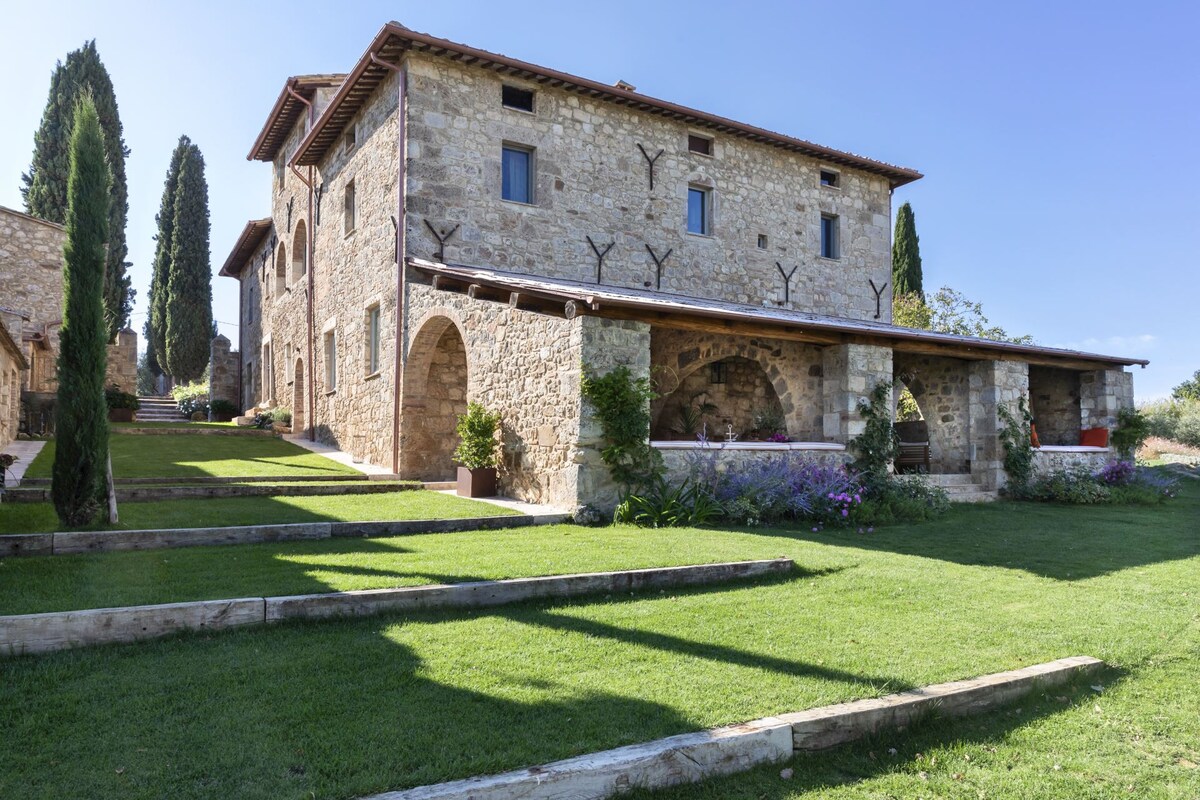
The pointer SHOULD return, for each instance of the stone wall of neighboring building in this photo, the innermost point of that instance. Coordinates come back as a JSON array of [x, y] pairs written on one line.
[[31, 284], [12, 366], [222, 374], [1054, 404], [941, 388], [792, 371], [591, 180], [121, 369]]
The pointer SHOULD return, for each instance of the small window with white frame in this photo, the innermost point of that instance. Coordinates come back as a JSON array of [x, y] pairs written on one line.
[[372, 340], [349, 209], [830, 237], [699, 210], [331, 374]]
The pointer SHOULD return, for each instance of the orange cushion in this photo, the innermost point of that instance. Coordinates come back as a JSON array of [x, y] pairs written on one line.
[[1093, 437], [1033, 437]]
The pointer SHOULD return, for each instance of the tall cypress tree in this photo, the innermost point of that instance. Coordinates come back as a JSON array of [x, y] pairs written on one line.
[[81, 418], [189, 281], [906, 255], [156, 331], [45, 185]]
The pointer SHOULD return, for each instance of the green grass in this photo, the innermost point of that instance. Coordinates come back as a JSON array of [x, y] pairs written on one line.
[[191, 456], [227, 511], [344, 708]]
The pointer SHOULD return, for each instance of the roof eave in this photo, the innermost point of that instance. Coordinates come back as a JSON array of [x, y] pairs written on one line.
[[247, 242]]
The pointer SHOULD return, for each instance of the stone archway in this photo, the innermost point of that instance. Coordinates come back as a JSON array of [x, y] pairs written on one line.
[[941, 388], [733, 390], [435, 394], [298, 419]]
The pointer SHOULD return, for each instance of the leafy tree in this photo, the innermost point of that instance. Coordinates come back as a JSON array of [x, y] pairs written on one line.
[[156, 332], [189, 280], [910, 311], [45, 185], [81, 453], [906, 255], [954, 313], [1189, 389]]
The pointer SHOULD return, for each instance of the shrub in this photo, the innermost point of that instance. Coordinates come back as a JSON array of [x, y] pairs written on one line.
[[1131, 431], [118, 399], [221, 407], [1178, 421], [663, 505], [199, 415], [477, 431], [622, 405], [1075, 485], [191, 397], [1117, 473], [283, 416], [1016, 437], [263, 420], [902, 498]]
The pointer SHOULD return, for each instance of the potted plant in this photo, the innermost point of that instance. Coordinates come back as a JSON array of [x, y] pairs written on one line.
[[121, 405], [476, 451]]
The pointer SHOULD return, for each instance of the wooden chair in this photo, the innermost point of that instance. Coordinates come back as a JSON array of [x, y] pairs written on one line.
[[914, 446]]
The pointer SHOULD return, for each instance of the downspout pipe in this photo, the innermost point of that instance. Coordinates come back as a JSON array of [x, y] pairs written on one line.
[[401, 225], [309, 269]]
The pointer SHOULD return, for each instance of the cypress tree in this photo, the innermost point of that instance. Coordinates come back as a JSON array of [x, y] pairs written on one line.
[[81, 419], [45, 185], [189, 280], [156, 333], [906, 255]]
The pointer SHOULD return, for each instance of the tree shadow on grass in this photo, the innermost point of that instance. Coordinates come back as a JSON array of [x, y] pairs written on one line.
[[819, 772], [343, 708], [1053, 541]]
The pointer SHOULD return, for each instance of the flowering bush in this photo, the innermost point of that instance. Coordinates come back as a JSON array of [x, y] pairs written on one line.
[[1117, 473]]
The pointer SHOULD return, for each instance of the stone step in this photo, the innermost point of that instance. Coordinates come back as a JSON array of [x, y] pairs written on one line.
[[949, 479], [975, 497]]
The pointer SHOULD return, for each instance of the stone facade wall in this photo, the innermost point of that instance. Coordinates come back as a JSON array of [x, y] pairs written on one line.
[[591, 180], [121, 370], [31, 282], [1045, 462], [10, 394], [992, 383], [941, 388], [793, 371], [1054, 403], [1102, 395], [524, 365], [222, 375], [851, 372]]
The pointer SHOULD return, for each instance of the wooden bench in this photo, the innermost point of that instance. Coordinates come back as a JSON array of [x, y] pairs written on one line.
[[913, 453]]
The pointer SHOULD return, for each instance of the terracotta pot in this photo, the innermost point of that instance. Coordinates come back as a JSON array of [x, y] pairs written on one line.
[[479, 482], [120, 415]]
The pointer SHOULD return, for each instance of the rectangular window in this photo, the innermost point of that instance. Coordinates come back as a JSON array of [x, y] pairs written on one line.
[[516, 99], [829, 178], [350, 140], [268, 363], [349, 209], [330, 361], [288, 366], [698, 211], [700, 144], [762, 241], [372, 340], [830, 247], [280, 171], [517, 178]]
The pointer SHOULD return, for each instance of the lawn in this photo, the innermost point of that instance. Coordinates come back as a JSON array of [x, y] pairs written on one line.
[[226, 511], [192, 456], [343, 708]]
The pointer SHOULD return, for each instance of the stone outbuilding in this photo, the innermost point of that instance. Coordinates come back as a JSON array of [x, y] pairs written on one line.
[[449, 224]]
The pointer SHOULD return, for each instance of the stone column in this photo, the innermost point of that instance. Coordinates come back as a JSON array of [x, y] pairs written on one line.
[[850, 372], [605, 345], [1102, 394], [992, 383], [222, 372], [121, 367]]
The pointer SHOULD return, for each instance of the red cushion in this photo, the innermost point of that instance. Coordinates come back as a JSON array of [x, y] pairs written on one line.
[[1093, 437], [1033, 437]]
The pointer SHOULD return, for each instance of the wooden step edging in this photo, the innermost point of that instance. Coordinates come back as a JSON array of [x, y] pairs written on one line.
[[199, 430], [211, 491], [61, 630], [693, 757], [76, 542]]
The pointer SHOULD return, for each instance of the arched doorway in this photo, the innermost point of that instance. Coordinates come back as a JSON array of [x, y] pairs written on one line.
[[298, 397], [940, 400], [435, 394]]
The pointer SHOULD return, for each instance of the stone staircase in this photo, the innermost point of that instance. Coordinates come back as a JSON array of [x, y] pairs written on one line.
[[158, 409], [963, 488]]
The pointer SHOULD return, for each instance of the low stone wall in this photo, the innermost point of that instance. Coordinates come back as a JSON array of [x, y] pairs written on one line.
[[680, 458], [1052, 459]]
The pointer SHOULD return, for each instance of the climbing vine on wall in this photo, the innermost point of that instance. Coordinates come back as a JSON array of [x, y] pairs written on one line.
[[1016, 437], [622, 405], [877, 445]]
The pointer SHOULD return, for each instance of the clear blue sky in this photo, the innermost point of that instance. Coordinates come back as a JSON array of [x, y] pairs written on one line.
[[1062, 185]]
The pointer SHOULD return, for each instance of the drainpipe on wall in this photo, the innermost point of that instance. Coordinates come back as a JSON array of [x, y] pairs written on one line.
[[401, 164], [310, 227]]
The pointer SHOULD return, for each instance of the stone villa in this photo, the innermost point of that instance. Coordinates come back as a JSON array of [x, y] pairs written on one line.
[[449, 224]]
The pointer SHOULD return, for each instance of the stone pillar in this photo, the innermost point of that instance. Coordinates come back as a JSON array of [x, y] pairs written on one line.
[[222, 373], [992, 383], [605, 345], [850, 372], [121, 367], [1102, 394]]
